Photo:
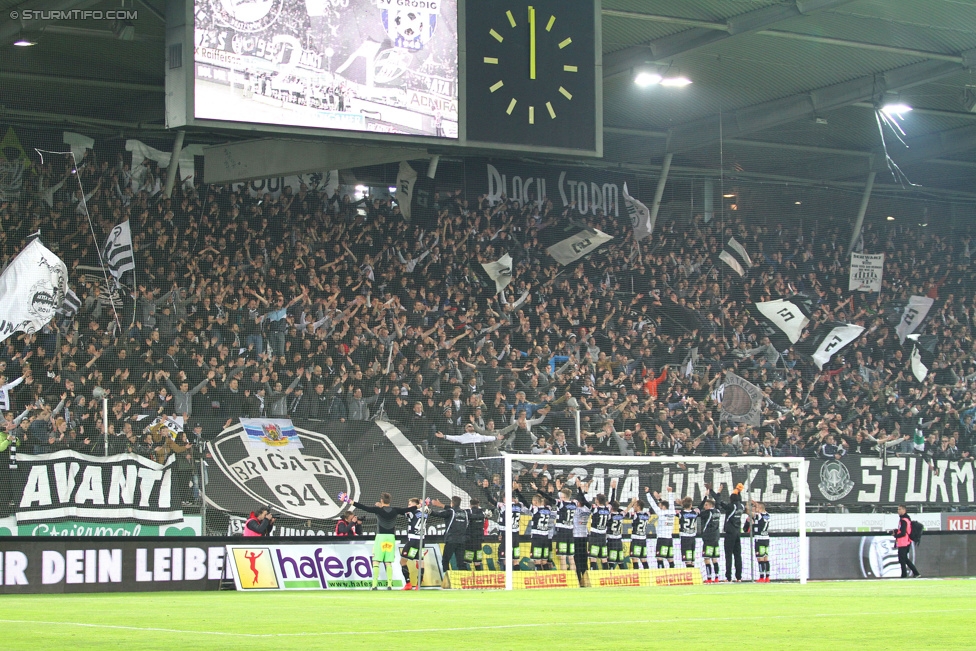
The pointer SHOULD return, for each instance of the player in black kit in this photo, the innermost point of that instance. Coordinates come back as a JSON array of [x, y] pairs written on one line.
[[564, 546], [709, 522], [517, 509], [760, 533], [416, 520], [615, 537], [688, 530], [596, 543], [474, 553], [541, 522], [639, 526]]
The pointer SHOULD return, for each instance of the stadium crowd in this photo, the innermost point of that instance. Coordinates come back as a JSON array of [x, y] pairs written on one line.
[[325, 307]]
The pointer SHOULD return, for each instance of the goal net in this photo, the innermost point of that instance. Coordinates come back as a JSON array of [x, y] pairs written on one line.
[[765, 485]]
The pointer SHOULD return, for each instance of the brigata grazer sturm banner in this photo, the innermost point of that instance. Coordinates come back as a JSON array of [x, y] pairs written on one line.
[[851, 480], [362, 459]]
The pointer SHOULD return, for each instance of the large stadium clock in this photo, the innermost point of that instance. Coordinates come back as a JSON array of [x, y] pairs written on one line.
[[531, 72]]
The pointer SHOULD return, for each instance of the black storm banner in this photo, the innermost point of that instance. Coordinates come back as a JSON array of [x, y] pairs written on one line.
[[362, 459], [589, 190]]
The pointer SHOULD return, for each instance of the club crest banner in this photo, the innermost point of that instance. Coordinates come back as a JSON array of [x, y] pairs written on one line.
[[866, 272]]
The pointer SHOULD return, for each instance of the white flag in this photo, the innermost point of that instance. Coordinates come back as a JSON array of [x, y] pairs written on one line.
[[406, 179], [835, 340], [786, 316], [866, 271], [576, 246], [118, 251], [915, 312], [640, 216], [79, 144], [500, 271], [32, 289]]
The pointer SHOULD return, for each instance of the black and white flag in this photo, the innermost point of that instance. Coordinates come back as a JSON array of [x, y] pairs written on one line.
[[578, 245], [499, 271], [830, 339], [913, 315], [740, 401], [406, 179], [923, 354], [118, 251], [70, 305], [640, 216], [31, 290], [735, 255], [788, 316]]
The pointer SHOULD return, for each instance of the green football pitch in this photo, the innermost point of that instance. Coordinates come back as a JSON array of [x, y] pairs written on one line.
[[851, 615]]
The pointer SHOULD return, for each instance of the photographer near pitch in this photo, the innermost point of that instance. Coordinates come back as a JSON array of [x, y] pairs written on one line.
[[260, 523], [903, 541]]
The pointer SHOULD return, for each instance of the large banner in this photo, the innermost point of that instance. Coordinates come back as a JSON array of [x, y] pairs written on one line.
[[866, 272], [342, 566], [589, 190], [56, 566], [122, 487], [362, 459], [365, 65], [852, 480]]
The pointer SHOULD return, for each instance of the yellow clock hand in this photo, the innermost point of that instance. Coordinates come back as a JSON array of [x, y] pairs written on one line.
[[531, 42]]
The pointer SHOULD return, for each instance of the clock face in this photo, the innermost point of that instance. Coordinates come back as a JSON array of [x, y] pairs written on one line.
[[531, 73]]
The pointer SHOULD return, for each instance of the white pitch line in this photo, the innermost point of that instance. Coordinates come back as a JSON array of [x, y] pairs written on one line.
[[455, 629]]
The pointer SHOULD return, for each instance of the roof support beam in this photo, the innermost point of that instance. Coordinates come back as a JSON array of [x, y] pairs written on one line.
[[921, 149], [80, 81], [874, 47], [700, 36], [957, 115], [765, 115]]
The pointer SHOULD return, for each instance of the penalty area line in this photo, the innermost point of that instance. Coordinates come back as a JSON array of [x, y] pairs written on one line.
[[455, 629]]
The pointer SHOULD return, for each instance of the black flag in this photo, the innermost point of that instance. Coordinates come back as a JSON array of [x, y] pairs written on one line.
[[923, 354], [422, 211]]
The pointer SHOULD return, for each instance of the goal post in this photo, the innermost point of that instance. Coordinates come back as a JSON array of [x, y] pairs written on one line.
[[779, 483]]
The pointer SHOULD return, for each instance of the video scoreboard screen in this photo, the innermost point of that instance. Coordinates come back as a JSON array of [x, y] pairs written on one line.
[[385, 66], [517, 75]]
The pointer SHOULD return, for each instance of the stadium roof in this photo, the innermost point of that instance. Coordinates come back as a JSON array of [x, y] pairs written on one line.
[[782, 90]]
